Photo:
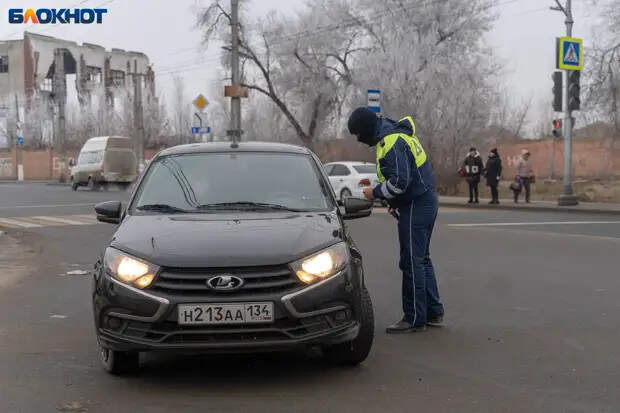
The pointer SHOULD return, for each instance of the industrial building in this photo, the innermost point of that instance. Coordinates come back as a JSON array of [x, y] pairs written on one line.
[[39, 74]]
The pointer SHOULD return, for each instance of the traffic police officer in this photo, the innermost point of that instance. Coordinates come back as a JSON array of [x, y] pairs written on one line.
[[407, 183]]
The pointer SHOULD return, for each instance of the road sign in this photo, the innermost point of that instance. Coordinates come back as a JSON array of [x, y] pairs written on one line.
[[201, 102], [20, 140], [198, 130], [570, 53], [374, 100]]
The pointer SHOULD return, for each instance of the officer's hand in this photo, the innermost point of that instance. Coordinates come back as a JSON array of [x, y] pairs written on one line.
[[368, 193]]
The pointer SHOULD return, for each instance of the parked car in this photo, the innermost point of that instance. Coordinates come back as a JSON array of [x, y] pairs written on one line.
[[104, 160], [231, 248], [350, 178]]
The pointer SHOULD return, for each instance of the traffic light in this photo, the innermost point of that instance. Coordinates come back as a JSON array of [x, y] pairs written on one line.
[[557, 91], [557, 128], [574, 90]]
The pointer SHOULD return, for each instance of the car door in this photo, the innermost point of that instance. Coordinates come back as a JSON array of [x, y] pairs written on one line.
[[78, 169]]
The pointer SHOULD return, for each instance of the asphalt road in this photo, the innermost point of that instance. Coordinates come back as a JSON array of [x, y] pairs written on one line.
[[532, 322]]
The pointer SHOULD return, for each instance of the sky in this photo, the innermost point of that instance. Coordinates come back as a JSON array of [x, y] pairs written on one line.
[[523, 37]]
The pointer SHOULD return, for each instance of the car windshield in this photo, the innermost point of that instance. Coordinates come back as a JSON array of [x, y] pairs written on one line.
[[365, 169], [247, 180]]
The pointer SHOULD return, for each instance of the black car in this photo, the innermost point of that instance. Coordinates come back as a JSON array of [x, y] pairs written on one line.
[[231, 248]]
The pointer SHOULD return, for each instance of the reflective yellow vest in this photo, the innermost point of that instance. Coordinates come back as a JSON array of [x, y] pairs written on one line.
[[388, 142]]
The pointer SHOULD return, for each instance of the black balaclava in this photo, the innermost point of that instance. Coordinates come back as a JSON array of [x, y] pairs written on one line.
[[363, 124]]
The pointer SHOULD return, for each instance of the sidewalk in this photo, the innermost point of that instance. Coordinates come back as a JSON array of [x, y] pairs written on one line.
[[587, 207], [46, 182]]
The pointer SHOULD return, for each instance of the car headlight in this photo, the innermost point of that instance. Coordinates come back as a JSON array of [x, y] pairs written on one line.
[[322, 264], [129, 270]]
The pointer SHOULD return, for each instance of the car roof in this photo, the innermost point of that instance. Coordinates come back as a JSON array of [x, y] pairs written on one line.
[[351, 163], [220, 147]]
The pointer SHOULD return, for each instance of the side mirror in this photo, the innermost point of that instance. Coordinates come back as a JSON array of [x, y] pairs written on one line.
[[355, 208], [109, 212], [71, 162]]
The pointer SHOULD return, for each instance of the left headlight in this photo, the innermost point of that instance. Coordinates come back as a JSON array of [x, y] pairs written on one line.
[[322, 264], [129, 270]]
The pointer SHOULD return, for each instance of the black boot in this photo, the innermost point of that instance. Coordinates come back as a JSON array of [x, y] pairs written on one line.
[[435, 321], [403, 326]]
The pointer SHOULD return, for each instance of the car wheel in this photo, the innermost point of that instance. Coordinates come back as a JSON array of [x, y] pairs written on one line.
[[118, 362], [344, 194], [90, 184], [74, 184], [354, 352]]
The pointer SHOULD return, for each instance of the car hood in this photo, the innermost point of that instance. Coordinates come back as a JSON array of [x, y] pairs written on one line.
[[226, 240]]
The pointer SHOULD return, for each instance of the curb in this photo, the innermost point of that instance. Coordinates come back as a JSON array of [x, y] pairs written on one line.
[[533, 208], [13, 182]]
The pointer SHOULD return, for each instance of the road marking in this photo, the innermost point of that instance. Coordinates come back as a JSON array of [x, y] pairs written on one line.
[[14, 223], [91, 219], [48, 221], [59, 220], [516, 224], [46, 206]]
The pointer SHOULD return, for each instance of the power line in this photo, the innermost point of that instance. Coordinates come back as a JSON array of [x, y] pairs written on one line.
[[194, 64]]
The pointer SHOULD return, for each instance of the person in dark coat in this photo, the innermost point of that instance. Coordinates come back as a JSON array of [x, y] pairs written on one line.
[[493, 172], [473, 167]]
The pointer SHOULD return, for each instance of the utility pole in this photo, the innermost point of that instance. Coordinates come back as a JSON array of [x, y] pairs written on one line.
[[18, 146], [60, 95], [138, 115], [235, 103], [567, 198]]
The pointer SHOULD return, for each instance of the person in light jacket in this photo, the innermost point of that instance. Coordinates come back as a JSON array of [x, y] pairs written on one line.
[[493, 173], [473, 167], [525, 175]]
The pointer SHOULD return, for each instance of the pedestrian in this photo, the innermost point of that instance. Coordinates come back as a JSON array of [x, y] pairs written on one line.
[[493, 173], [473, 169], [407, 183], [525, 175]]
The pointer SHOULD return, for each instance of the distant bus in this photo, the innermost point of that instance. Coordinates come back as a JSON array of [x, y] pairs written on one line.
[[103, 160]]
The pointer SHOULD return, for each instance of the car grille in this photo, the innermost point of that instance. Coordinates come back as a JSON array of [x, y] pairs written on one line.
[[193, 281], [284, 329]]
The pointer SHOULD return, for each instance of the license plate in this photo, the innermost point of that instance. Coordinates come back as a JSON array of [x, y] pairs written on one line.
[[237, 313]]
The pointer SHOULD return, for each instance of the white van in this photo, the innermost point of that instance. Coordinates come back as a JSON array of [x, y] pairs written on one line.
[[103, 160]]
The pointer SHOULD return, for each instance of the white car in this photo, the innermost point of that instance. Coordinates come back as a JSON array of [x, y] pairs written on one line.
[[350, 178]]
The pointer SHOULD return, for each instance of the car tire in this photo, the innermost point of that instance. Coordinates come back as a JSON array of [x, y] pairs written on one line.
[[90, 184], [354, 352], [344, 194], [74, 185], [118, 362]]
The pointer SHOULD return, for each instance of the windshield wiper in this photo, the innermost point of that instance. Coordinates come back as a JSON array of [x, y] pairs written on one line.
[[162, 208], [247, 204]]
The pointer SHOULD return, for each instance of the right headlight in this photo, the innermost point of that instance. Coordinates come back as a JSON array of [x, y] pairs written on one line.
[[129, 270], [322, 265]]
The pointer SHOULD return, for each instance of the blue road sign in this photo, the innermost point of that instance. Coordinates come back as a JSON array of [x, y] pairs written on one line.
[[571, 53], [198, 130], [374, 100], [20, 140]]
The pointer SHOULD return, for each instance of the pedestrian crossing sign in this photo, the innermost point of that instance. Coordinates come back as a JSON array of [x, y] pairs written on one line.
[[570, 53]]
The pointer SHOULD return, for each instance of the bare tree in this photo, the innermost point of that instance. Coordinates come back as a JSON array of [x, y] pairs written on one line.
[[302, 68], [603, 68], [181, 111]]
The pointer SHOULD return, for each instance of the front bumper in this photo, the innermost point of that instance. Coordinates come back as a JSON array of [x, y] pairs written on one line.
[[327, 313]]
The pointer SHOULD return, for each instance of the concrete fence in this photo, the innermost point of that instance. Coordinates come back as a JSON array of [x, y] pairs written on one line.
[[592, 158]]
